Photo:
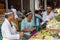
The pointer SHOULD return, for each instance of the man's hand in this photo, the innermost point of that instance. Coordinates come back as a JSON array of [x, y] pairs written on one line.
[[21, 34]]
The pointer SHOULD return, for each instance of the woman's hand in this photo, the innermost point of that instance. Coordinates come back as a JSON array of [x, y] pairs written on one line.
[[29, 30], [32, 29]]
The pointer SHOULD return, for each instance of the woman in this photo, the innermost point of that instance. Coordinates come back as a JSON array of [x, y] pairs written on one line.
[[28, 26], [8, 29], [39, 14]]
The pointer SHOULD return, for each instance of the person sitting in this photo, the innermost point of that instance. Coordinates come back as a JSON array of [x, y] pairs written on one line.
[[16, 19], [8, 28], [39, 14], [38, 18], [28, 26], [48, 15]]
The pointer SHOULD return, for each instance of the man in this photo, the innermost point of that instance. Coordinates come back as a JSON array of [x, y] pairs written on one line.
[[8, 28], [15, 12], [16, 19], [48, 14]]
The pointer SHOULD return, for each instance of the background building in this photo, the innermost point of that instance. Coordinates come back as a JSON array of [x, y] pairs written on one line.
[[26, 4]]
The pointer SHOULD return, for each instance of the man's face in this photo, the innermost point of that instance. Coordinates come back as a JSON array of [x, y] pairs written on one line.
[[48, 10], [11, 16]]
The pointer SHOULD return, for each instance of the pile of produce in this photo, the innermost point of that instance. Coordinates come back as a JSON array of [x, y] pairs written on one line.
[[53, 24], [48, 34]]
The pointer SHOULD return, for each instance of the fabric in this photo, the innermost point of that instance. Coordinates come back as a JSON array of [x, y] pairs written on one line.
[[24, 39], [0, 36], [33, 32], [9, 32], [37, 21], [9, 13], [38, 16], [48, 17], [27, 25]]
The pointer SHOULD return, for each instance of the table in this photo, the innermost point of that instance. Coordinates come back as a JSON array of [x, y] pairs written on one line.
[[39, 36]]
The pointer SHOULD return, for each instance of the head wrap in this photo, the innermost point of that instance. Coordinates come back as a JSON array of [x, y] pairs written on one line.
[[28, 13], [8, 13]]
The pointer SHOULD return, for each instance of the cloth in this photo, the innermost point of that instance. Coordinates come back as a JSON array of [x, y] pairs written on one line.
[[9, 13], [8, 31], [33, 32], [38, 16], [27, 25], [37, 19]]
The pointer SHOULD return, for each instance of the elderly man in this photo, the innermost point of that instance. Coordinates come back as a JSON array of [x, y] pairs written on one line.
[[48, 14], [16, 18], [8, 28]]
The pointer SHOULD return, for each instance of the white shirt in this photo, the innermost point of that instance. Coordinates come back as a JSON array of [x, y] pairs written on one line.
[[48, 17], [9, 32]]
